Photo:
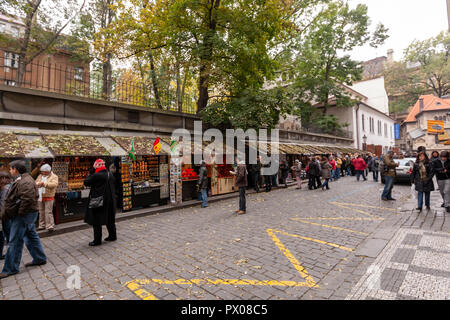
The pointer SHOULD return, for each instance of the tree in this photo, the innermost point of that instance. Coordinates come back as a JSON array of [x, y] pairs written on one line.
[[43, 22], [224, 44], [320, 72], [98, 15], [424, 69]]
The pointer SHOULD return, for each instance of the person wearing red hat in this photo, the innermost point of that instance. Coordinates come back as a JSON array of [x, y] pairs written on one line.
[[102, 203]]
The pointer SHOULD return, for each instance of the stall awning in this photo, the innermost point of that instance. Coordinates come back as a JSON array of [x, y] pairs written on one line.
[[111, 146], [33, 146], [143, 145], [10, 146], [74, 145]]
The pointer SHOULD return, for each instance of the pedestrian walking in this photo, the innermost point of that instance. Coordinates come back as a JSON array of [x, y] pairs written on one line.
[[374, 165], [241, 183], [441, 170], [5, 185], [297, 169], [338, 168], [101, 208], [421, 177], [21, 209], [360, 166], [267, 177], [325, 171], [435, 157], [284, 172], [348, 165], [47, 182], [390, 173], [257, 173], [333, 168], [203, 183]]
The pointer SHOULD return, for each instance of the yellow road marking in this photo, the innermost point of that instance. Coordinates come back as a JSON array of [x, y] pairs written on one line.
[[311, 239], [135, 286], [365, 206], [357, 210], [336, 218], [303, 273], [240, 282], [328, 226]]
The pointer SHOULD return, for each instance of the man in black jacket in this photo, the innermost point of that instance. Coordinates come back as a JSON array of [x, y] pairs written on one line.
[[203, 183], [441, 169], [21, 208]]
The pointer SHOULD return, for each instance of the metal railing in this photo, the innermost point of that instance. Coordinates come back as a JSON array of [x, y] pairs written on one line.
[[80, 81]]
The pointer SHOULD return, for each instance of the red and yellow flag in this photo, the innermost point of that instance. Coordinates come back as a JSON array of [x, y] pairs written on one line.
[[157, 145]]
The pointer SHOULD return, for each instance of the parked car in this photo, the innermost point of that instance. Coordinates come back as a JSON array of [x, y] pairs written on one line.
[[404, 170]]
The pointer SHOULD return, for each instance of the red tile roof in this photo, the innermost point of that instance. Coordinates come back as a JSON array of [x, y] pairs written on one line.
[[430, 103]]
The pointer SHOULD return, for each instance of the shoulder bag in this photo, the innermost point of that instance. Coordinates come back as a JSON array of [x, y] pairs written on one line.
[[97, 202]]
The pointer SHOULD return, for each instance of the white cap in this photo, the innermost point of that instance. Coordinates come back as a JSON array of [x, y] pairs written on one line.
[[46, 168]]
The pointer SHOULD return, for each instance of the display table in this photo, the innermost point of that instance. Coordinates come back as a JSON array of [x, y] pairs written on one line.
[[70, 208]]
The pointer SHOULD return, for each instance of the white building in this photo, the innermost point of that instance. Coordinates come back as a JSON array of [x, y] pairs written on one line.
[[368, 122]]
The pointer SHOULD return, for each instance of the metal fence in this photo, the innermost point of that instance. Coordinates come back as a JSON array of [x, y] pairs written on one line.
[[80, 81]]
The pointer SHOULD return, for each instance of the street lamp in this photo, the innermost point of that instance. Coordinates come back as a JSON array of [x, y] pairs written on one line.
[[364, 143]]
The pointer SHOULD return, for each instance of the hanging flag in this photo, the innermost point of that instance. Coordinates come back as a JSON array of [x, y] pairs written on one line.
[[132, 153], [173, 145], [157, 145]]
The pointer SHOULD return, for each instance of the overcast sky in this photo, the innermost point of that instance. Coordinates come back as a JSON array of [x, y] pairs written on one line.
[[407, 20]]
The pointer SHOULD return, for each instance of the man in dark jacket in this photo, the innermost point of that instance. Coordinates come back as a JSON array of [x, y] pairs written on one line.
[[21, 208], [241, 183], [203, 183], [101, 183], [441, 168], [315, 172], [389, 166]]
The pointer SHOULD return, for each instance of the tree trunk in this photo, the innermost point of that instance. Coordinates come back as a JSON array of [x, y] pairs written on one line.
[[154, 80], [107, 78], [206, 57]]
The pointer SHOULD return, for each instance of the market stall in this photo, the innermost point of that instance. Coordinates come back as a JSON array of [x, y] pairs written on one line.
[[74, 154], [144, 179]]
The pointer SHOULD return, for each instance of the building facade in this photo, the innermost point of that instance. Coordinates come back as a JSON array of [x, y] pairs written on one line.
[[56, 72], [415, 126]]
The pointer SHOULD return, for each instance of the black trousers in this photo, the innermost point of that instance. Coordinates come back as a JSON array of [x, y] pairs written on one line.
[[256, 181], [242, 200], [98, 232]]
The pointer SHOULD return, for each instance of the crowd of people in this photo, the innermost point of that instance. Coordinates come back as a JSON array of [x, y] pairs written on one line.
[[320, 170], [26, 199]]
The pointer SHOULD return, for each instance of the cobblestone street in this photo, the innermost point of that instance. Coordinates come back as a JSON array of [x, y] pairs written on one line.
[[344, 243]]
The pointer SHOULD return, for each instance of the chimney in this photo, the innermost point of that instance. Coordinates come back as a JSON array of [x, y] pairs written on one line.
[[390, 55], [421, 104]]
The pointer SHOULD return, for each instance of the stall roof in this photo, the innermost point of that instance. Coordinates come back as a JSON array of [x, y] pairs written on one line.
[[10, 146], [74, 145], [33, 146], [143, 145], [111, 146]]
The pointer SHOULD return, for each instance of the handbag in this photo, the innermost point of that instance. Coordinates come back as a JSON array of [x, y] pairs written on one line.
[[97, 202]]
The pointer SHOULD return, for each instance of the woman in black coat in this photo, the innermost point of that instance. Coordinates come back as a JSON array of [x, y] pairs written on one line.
[[421, 177], [102, 183]]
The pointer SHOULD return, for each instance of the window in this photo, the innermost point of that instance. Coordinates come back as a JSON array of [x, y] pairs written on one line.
[[379, 127], [385, 130], [15, 32], [78, 73], [363, 122], [11, 60], [391, 132], [10, 83]]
